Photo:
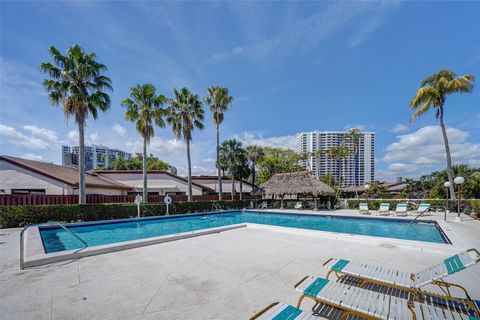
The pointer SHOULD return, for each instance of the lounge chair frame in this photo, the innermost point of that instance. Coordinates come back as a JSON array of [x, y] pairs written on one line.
[[347, 310], [443, 285]]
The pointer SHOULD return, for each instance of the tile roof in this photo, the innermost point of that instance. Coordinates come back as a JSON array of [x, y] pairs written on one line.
[[67, 175]]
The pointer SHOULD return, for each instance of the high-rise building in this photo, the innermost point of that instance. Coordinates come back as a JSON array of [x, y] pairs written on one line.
[[95, 156], [354, 169]]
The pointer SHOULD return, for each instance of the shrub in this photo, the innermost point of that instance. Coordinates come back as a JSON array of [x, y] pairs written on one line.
[[19, 216], [475, 205]]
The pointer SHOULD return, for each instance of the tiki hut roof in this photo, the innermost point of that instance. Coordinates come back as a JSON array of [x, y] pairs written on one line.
[[301, 182]]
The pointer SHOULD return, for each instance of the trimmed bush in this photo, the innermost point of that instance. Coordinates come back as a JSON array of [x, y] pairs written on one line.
[[19, 216]]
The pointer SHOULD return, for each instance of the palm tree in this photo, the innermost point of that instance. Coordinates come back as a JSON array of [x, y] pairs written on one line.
[[339, 153], [254, 154], [353, 135], [234, 158], [185, 113], [143, 108], [76, 81], [433, 93], [218, 99]]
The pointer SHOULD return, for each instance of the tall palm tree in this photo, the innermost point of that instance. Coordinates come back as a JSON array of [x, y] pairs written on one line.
[[339, 153], [218, 99], [77, 82], [143, 108], [254, 154], [353, 135], [234, 158], [433, 93], [185, 112]]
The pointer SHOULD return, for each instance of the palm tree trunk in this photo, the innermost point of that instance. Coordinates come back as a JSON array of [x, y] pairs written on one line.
[[447, 151], [220, 192], [81, 163], [253, 174], [233, 188], [241, 189], [145, 188], [189, 164]]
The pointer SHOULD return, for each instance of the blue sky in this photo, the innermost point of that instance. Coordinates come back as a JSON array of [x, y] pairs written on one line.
[[291, 67]]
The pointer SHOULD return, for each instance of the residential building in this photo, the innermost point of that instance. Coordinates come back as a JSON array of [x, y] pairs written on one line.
[[95, 156], [160, 182], [355, 169], [22, 176], [212, 183]]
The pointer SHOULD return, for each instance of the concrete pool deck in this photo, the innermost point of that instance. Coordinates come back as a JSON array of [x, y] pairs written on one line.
[[229, 275]]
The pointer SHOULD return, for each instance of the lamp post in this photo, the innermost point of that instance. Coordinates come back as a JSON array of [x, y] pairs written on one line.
[[447, 186], [458, 181], [367, 186]]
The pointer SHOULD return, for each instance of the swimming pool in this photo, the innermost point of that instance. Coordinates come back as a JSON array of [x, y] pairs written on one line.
[[56, 239]]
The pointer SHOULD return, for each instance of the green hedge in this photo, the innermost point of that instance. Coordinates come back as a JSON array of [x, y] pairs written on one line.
[[471, 206], [19, 216]]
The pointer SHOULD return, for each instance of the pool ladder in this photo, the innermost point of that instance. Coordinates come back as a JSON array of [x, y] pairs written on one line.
[[22, 242], [217, 207]]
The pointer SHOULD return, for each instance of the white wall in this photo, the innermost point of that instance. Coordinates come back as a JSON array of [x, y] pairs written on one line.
[[104, 191], [13, 177], [226, 185], [157, 182]]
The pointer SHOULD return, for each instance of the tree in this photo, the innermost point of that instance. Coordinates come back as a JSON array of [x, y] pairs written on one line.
[[277, 160], [433, 93], [234, 160], [218, 99], [143, 108], [375, 190], [254, 155], [136, 163], [353, 135], [77, 82], [337, 154], [185, 113]]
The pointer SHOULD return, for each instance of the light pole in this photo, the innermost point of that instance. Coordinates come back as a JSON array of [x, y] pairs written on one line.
[[447, 186], [458, 181], [367, 186]]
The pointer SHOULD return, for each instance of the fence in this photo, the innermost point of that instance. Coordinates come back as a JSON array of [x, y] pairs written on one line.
[[21, 200]]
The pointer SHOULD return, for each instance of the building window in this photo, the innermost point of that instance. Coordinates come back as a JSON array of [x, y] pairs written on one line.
[[28, 191]]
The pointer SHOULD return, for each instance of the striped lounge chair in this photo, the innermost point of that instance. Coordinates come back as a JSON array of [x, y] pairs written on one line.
[[412, 282], [370, 304], [363, 208], [423, 208], [384, 209], [401, 210], [282, 311]]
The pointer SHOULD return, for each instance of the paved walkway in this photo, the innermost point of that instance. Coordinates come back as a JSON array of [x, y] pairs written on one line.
[[231, 275]]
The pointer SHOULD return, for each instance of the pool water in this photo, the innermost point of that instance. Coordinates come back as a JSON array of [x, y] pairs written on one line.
[[56, 239]]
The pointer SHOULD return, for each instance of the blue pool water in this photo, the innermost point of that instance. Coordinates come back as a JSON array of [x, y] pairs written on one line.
[[56, 239]]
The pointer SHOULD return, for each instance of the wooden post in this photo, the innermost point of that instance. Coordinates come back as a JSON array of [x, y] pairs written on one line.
[[316, 206], [281, 202]]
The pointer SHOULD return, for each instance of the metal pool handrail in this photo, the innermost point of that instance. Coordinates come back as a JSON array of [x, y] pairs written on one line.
[[22, 242], [217, 207]]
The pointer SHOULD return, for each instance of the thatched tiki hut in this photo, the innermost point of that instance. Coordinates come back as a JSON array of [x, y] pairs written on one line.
[[295, 183]]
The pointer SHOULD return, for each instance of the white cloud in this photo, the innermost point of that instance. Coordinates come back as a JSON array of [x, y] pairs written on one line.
[[94, 138], [42, 133], [374, 21], [27, 140], [158, 145], [32, 156], [423, 151], [73, 136], [196, 171], [400, 128], [361, 127], [249, 138], [317, 28], [121, 131]]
